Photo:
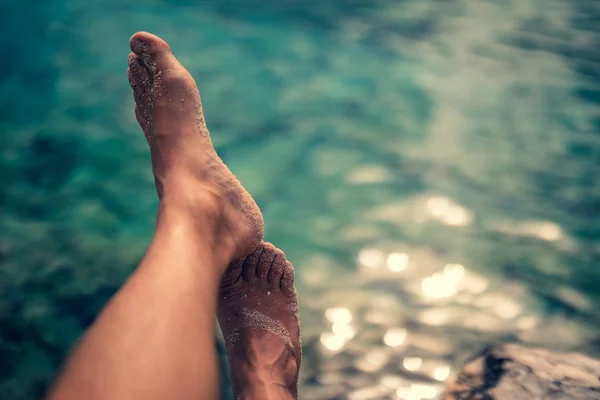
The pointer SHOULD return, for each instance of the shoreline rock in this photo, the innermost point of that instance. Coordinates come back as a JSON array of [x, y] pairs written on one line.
[[513, 372]]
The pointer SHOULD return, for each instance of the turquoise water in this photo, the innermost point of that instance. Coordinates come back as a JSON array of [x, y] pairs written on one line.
[[430, 168]]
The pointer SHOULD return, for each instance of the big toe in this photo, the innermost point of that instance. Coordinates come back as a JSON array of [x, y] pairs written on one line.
[[152, 50]]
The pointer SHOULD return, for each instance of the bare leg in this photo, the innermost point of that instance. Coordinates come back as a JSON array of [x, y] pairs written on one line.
[[154, 340], [258, 314]]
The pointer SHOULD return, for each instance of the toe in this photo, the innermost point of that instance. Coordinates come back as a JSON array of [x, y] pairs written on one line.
[[250, 264], [265, 262], [147, 43], [139, 77], [154, 51], [287, 279], [277, 269], [232, 274], [137, 69]]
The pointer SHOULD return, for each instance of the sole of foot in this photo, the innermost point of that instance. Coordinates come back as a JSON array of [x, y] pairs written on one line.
[[258, 315], [188, 172]]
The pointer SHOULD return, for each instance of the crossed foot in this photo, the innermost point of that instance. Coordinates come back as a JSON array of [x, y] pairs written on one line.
[[257, 307]]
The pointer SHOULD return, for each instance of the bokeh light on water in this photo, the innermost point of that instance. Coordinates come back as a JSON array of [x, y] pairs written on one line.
[[430, 167]]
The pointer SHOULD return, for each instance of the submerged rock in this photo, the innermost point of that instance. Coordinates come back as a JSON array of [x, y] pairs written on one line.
[[513, 372]]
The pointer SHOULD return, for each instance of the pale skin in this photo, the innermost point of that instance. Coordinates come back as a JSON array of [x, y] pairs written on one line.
[[155, 337]]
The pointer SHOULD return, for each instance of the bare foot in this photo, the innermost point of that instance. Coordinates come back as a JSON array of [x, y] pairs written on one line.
[[188, 173], [258, 314]]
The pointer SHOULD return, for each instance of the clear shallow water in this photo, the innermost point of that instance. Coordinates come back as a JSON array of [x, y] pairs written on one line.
[[430, 168]]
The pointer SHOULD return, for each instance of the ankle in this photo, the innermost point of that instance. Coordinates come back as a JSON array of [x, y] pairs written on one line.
[[199, 221], [182, 189]]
